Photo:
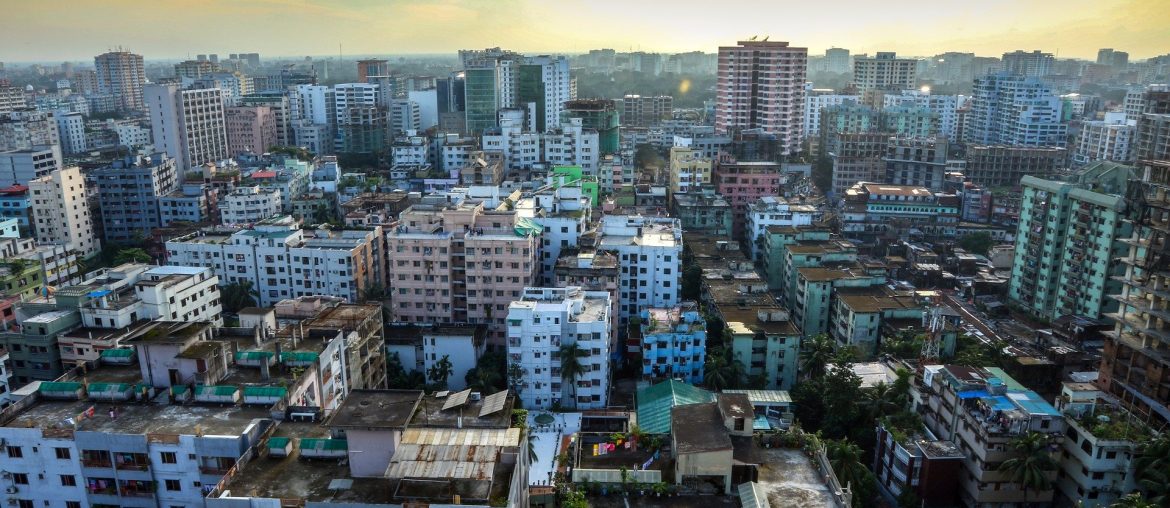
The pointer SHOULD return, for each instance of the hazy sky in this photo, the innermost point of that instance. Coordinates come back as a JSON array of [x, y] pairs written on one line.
[[51, 30]]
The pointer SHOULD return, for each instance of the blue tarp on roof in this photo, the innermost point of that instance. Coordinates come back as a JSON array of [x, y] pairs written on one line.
[[973, 394], [1000, 403]]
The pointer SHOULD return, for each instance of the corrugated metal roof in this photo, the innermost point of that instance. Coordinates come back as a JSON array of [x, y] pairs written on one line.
[[655, 402], [216, 390], [751, 495], [108, 387], [450, 453], [117, 353], [765, 396], [265, 391], [50, 386]]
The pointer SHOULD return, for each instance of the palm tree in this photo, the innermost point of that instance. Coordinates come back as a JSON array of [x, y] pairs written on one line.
[[845, 459], [1153, 469], [719, 372], [880, 400], [1030, 464], [571, 366], [532, 439], [238, 295], [1133, 500], [131, 255], [816, 355]]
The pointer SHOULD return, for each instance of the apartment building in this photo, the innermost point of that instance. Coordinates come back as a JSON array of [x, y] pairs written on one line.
[[521, 148], [1033, 64], [250, 129], [1109, 139], [251, 204], [60, 211], [26, 129], [283, 261], [649, 251], [564, 214], [188, 124], [571, 144], [689, 170], [1014, 110], [673, 343], [646, 111], [540, 324], [816, 100], [1101, 445], [981, 410], [914, 460], [703, 212], [874, 212], [1069, 242], [772, 211], [884, 71], [945, 107], [120, 74], [761, 86], [916, 161], [460, 263], [71, 128], [744, 183], [857, 157], [129, 191]]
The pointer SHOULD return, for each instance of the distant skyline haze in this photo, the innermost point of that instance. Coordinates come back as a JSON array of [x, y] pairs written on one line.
[[60, 30]]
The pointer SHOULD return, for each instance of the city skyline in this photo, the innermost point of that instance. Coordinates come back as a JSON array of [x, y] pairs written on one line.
[[1070, 29]]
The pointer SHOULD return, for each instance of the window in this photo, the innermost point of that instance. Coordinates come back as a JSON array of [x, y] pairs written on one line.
[[20, 478], [174, 485], [169, 458], [72, 504], [62, 453], [15, 452], [68, 480]]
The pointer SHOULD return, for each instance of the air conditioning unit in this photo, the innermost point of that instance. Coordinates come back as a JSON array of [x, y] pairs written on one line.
[[12, 490]]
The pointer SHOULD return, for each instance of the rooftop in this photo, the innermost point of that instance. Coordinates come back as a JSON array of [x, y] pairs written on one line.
[[654, 403], [698, 428], [377, 409], [131, 418]]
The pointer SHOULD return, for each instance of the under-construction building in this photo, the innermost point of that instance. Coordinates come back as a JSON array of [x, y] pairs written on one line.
[[1136, 361]]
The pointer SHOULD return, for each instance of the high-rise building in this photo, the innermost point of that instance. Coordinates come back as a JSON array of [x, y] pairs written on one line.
[[495, 80], [250, 129], [544, 320], [650, 247], [689, 170], [1113, 58], [18, 167], [1069, 240], [60, 213], [71, 128], [372, 67], [129, 191], [194, 69], [573, 145], [884, 71], [916, 161], [11, 98], [837, 60], [945, 106], [1004, 166], [121, 75], [761, 86], [816, 100], [1014, 110], [646, 111], [1035, 64], [188, 124], [1109, 139]]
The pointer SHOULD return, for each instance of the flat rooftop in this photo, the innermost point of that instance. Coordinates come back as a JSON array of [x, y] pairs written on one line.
[[377, 409], [135, 418]]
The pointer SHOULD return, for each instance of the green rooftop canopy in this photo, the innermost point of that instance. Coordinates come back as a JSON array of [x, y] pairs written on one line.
[[265, 391], [218, 390], [253, 355], [525, 227], [108, 387], [57, 387], [117, 353], [298, 356], [655, 402], [278, 442], [323, 444]]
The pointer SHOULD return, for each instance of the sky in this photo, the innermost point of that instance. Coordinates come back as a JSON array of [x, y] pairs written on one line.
[[60, 30]]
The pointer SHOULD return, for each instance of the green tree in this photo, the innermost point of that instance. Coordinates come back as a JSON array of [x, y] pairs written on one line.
[[440, 372], [845, 458], [238, 295], [841, 392], [979, 243], [374, 292], [573, 498], [131, 255], [1134, 500], [1153, 469], [822, 173], [1030, 463], [571, 366], [489, 374], [399, 378], [816, 354], [532, 439], [721, 372]]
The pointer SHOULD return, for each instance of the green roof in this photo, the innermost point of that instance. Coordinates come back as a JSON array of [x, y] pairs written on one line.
[[526, 226], [278, 442], [253, 355], [298, 356], [178, 389], [108, 387], [117, 353], [323, 444], [219, 390], [655, 402], [50, 386], [265, 391]]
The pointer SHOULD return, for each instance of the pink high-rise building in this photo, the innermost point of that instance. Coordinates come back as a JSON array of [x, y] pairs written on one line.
[[761, 86], [250, 128], [460, 264]]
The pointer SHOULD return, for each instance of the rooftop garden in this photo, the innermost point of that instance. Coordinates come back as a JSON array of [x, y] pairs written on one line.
[[1113, 424]]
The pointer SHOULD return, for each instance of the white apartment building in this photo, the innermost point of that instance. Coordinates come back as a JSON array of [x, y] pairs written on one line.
[[558, 87], [22, 166], [246, 205], [771, 211], [573, 145], [945, 106], [405, 115], [521, 149], [816, 99], [60, 212], [884, 71], [169, 293], [189, 125], [1107, 139], [71, 128], [648, 250], [283, 261], [411, 150], [563, 213], [539, 324], [130, 134], [313, 104]]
